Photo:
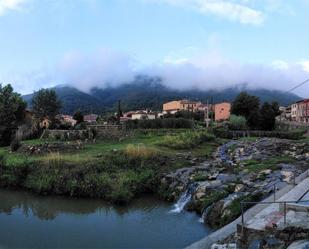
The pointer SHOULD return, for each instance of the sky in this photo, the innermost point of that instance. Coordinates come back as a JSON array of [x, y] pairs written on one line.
[[204, 44]]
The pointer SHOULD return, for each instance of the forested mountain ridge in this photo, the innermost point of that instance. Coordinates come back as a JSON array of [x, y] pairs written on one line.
[[150, 93]]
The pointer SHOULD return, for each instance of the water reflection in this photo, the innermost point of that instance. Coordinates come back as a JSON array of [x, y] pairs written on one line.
[[32, 221], [49, 207]]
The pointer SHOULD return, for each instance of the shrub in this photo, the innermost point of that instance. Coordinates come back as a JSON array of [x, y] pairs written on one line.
[[167, 123], [201, 204], [81, 126], [223, 132], [294, 135], [14, 170], [121, 195], [187, 139], [15, 145], [237, 123], [233, 211]]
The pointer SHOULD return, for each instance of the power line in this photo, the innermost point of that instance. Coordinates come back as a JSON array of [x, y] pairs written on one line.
[[299, 85], [276, 97]]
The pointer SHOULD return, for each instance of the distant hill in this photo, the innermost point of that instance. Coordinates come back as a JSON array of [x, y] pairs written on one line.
[[150, 93]]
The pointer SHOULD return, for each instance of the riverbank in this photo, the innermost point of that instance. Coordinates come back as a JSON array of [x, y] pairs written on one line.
[[199, 172], [116, 171], [240, 170]]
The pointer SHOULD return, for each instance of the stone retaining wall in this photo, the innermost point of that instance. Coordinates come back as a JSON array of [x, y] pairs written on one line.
[[87, 134], [68, 135], [46, 148]]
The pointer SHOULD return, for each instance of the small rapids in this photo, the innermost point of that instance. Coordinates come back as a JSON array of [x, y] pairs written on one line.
[[205, 214], [184, 199], [224, 156], [182, 202]]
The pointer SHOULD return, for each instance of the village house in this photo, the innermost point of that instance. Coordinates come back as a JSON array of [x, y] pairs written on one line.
[[222, 111], [294, 112], [204, 107], [44, 123], [67, 119], [91, 118], [287, 113], [126, 116], [302, 114], [181, 105]]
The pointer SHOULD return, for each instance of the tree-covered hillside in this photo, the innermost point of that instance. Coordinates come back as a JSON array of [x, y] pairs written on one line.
[[150, 93]]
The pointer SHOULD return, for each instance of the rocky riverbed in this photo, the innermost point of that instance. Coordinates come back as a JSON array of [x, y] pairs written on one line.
[[239, 171]]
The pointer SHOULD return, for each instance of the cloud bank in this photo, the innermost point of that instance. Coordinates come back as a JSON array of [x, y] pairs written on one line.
[[99, 69], [209, 71]]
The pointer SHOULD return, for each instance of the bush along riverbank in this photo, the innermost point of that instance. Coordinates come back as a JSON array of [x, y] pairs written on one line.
[[113, 171], [240, 170]]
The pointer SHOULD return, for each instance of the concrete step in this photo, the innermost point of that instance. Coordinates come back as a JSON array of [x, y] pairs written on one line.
[[273, 214], [229, 229]]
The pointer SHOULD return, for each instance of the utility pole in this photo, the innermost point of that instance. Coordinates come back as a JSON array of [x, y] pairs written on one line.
[[207, 114]]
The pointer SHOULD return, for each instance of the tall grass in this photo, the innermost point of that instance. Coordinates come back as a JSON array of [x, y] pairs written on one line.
[[187, 140], [140, 151], [54, 159]]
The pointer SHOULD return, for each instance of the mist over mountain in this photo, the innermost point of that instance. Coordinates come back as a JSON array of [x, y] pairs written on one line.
[[150, 92]]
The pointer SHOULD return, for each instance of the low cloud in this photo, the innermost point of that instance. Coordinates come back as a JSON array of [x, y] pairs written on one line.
[[204, 73], [209, 71], [107, 68], [100, 69]]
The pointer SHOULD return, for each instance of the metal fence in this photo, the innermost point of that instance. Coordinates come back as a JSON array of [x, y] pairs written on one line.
[[284, 203], [245, 204]]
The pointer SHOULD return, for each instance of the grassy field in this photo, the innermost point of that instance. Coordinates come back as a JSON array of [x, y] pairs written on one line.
[[150, 140], [112, 170]]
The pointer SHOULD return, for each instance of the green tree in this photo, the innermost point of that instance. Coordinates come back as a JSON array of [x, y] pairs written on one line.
[[267, 116], [275, 107], [79, 117], [119, 112], [45, 103], [248, 106], [12, 113]]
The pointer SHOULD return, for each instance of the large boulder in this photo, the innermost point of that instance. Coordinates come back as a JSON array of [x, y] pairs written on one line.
[[223, 210]]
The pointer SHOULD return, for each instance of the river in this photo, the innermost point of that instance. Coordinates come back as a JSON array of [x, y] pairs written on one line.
[[32, 221]]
